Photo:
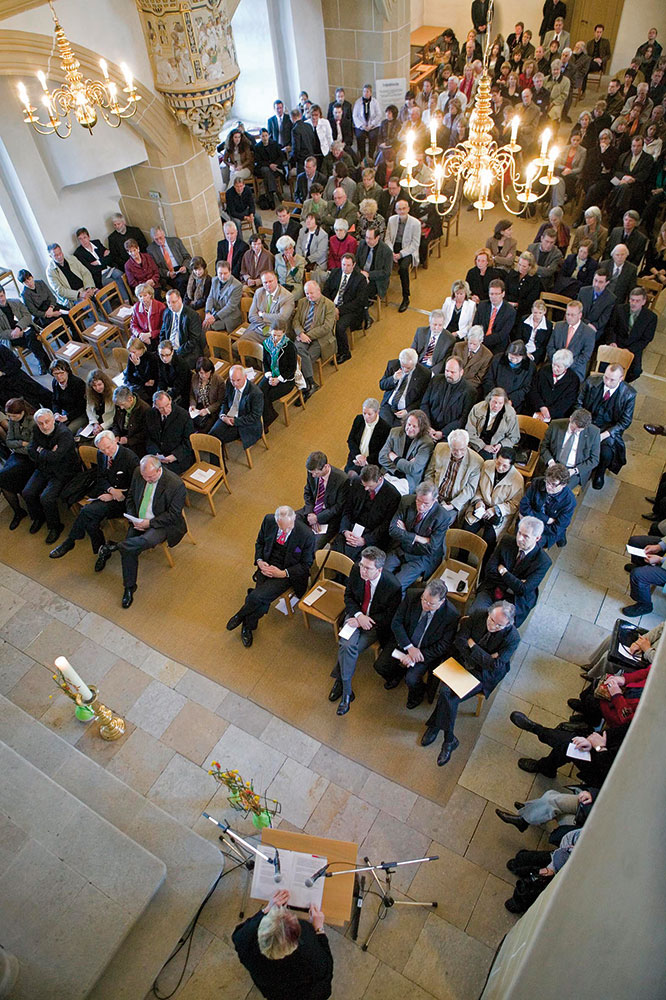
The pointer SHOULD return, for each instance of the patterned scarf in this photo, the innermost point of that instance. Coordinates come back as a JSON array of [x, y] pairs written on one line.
[[274, 351]]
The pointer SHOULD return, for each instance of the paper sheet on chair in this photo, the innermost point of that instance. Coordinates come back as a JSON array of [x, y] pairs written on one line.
[[250, 373], [97, 329], [456, 677], [70, 349], [452, 578], [118, 379], [202, 475], [295, 867], [124, 312], [281, 605], [314, 595]]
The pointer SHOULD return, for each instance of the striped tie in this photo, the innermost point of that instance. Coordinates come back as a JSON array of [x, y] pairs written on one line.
[[319, 501], [309, 317]]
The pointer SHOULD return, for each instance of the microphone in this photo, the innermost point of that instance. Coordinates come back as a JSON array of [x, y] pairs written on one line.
[[277, 877], [313, 878]]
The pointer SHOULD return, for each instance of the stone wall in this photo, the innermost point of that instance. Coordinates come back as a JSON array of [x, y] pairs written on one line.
[[361, 46]]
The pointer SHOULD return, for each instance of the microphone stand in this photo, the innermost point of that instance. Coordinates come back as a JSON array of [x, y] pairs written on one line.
[[387, 900], [245, 852]]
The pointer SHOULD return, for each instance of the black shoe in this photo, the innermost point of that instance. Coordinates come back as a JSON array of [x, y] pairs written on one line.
[[368, 322], [336, 691], [36, 525], [16, 520], [429, 736], [575, 703], [516, 821], [103, 555], [404, 306], [246, 636], [62, 549], [598, 483], [533, 767], [444, 755], [234, 621], [518, 805], [577, 728], [520, 719], [343, 707], [629, 567], [651, 500], [311, 389], [512, 906], [655, 428], [54, 534], [391, 683], [648, 517], [636, 610], [128, 596], [341, 358], [414, 700]]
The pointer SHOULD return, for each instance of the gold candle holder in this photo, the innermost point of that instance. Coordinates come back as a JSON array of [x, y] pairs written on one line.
[[111, 726]]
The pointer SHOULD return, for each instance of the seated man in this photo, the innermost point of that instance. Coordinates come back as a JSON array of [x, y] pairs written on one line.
[[418, 531], [39, 300], [454, 471], [573, 443], [313, 326], [17, 331], [232, 248], [629, 234], [117, 239], [375, 261], [423, 629], [448, 400], [285, 225], [272, 308], [370, 503], [168, 429], [366, 438], [223, 311], [155, 500], [56, 459], [552, 501], [324, 494], [241, 411], [68, 279], [515, 570], [255, 261], [283, 554], [496, 317], [632, 327], [474, 356], [114, 471], [403, 238], [172, 259], [404, 383], [372, 596], [548, 258], [270, 164], [630, 181], [182, 326], [433, 343], [173, 373], [348, 290], [97, 258], [622, 273], [598, 304], [241, 206], [574, 335], [611, 402], [129, 421], [484, 645], [306, 179], [555, 389]]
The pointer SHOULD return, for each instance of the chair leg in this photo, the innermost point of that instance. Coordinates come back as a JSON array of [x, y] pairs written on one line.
[[211, 504], [249, 458], [479, 703], [167, 553], [306, 620], [190, 537]]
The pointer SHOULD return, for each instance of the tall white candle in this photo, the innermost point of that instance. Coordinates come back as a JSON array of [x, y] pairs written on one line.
[[72, 678], [515, 122], [433, 132], [545, 139]]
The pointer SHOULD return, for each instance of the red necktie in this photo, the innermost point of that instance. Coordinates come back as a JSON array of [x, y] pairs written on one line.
[[366, 598], [570, 335], [168, 259], [230, 254], [493, 314], [606, 396], [419, 518], [282, 537], [372, 494], [319, 500]]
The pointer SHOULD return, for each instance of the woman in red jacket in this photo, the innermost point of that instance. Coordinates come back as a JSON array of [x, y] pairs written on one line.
[[141, 268], [147, 313]]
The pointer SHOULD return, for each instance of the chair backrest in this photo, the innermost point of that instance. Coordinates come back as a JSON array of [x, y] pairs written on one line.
[[555, 303], [652, 287], [120, 355], [468, 541], [249, 349], [535, 428], [614, 356], [7, 278], [206, 443], [54, 336], [88, 455], [83, 314], [108, 298], [245, 306], [337, 562], [219, 340]]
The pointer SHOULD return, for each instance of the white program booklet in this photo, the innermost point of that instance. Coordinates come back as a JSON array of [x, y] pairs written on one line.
[[632, 550], [133, 519], [358, 530], [202, 475], [314, 595], [347, 631], [294, 869], [573, 753]]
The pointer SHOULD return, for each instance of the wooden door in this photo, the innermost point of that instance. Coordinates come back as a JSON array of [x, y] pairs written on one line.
[[587, 13]]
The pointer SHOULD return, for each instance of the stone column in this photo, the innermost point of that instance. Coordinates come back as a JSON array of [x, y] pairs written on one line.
[[366, 40]]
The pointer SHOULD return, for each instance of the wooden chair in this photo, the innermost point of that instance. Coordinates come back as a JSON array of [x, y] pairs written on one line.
[[607, 355], [555, 302], [250, 352], [653, 289], [536, 429], [212, 446], [85, 320], [295, 396], [451, 220], [165, 547], [114, 310], [320, 366], [59, 344], [120, 356], [331, 605], [220, 340], [594, 78], [88, 455], [457, 539]]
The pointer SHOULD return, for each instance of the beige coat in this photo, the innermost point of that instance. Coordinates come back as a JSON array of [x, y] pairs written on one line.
[[506, 495], [505, 255], [467, 478], [507, 432], [323, 328]]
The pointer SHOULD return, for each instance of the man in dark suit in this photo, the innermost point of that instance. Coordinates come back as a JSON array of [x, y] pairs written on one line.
[[181, 325], [342, 130], [418, 530], [304, 141], [598, 304], [279, 126], [548, 258], [496, 317], [99, 261], [270, 165], [232, 248], [629, 234], [114, 471], [423, 628], [168, 429], [433, 343], [370, 503], [366, 438], [172, 259], [308, 176], [285, 225], [404, 383], [339, 101], [515, 570], [129, 421], [611, 402], [448, 400], [391, 195], [372, 596], [484, 645], [324, 494], [553, 502], [56, 459], [577, 271], [117, 239], [632, 327], [241, 412], [348, 291], [555, 389], [375, 262], [622, 274], [632, 175], [283, 554], [173, 373], [599, 50], [573, 443], [575, 336], [155, 501]]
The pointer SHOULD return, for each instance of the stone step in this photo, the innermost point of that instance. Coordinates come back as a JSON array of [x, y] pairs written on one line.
[[192, 863]]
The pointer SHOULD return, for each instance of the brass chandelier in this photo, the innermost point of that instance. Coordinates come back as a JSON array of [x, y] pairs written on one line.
[[478, 164], [78, 98]]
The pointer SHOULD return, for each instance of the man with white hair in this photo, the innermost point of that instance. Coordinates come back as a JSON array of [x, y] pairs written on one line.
[[113, 475], [559, 87], [454, 470], [433, 343], [240, 415], [117, 239], [622, 274], [314, 331], [56, 459], [515, 570], [530, 117], [474, 356], [341, 208], [283, 554], [404, 383], [451, 93], [172, 259], [232, 248]]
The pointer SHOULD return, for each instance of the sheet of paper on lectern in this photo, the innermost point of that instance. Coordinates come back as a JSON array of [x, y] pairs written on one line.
[[295, 867]]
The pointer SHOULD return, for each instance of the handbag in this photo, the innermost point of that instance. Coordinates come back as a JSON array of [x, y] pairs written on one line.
[[600, 690], [78, 487]]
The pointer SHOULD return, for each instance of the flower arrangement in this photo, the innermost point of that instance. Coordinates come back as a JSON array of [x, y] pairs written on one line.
[[243, 797]]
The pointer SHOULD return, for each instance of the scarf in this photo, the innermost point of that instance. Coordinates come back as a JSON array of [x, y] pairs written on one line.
[[274, 351]]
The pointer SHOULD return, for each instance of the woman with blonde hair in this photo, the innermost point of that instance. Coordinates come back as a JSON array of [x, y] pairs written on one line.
[[147, 315], [523, 286], [369, 218], [459, 310]]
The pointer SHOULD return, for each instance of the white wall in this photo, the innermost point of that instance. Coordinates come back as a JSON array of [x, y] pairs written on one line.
[[257, 86], [456, 14], [636, 20]]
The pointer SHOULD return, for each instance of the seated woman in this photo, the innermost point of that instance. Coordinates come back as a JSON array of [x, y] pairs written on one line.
[[643, 649], [479, 277], [340, 243], [290, 267], [459, 310], [141, 371], [536, 331], [366, 438], [407, 451], [18, 468], [523, 286], [280, 363], [141, 269], [147, 316], [312, 244], [577, 270], [555, 221], [568, 168], [69, 396], [369, 218], [654, 265], [198, 284], [502, 245], [340, 178], [315, 203], [555, 389], [492, 424], [496, 499], [367, 187], [100, 408], [512, 371], [593, 230], [206, 395]]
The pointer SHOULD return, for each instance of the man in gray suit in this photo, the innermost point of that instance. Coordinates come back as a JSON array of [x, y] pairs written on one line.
[[598, 303], [223, 310], [575, 336], [433, 343], [418, 530], [574, 443], [271, 309], [172, 259]]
